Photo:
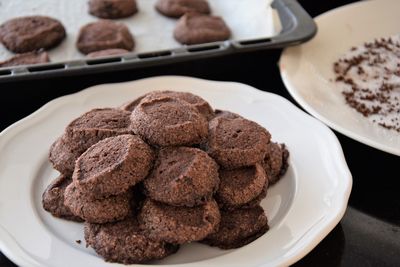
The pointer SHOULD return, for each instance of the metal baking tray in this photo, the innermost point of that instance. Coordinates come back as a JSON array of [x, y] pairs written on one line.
[[296, 27]]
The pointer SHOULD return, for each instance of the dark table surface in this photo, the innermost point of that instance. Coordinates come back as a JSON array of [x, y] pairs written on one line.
[[368, 234]]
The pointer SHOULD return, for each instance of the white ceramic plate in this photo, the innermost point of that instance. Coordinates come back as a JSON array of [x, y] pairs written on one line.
[[306, 70], [302, 208]]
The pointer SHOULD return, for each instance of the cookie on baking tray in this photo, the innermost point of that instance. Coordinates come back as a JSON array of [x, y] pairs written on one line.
[[195, 28], [107, 52], [104, 34], [31, 33], [29, 58], [112, 9], [177, 8]]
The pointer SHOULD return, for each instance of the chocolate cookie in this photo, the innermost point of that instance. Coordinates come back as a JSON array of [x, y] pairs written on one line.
[[132, 104], [85, 206], [240, 186], [238, 228], [195, 28], [235, 142], [104, 34], [252, 203], [112, 9], [62, 157], [226, 114], [53, 199], [107, 52], [182, 176], [98, 124], [168, 121], [199, 103], [85, 131], [276, 161], [26, 34], [113, 165], [124, 242], [29, 58], [179, 225], [177, 8]]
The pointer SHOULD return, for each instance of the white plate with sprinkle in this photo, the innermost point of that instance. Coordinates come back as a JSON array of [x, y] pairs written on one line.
[[307, 69]]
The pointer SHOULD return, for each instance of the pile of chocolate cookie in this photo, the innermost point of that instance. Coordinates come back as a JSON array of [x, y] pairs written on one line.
[[160, 171], [31, 36]]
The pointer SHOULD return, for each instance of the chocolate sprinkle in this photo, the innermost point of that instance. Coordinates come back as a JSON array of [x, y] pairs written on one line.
[[370, 79]]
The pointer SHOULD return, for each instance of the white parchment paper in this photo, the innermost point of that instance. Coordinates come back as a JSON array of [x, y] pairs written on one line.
[[247, 19]]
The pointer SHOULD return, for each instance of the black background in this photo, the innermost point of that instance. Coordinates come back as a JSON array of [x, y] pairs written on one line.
[[368, 234]]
